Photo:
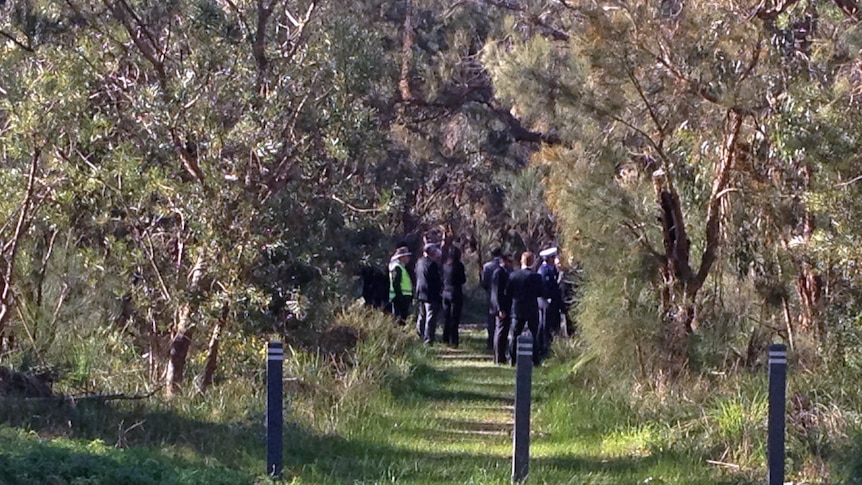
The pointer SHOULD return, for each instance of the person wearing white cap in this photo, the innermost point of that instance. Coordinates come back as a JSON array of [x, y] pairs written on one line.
[[400, 285], [549, 303], [548, 253]]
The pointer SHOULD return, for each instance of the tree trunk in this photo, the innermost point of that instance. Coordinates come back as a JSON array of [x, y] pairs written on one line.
[[24, 220], [406, 53], [212, 360], [258, 48], [181, 337], [680, 283], [179, 353], [809, 287], [676, 308], [809, 284], [212, 352]]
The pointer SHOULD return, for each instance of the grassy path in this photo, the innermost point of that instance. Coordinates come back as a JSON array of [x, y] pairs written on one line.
[[452, 422]]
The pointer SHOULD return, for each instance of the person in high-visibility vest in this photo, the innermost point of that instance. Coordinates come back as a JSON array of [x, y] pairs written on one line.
[[400, 285]]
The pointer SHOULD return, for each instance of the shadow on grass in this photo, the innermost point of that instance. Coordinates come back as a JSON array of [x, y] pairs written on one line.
[[365, 462], [131, 424], [319, 459], [26, 461]]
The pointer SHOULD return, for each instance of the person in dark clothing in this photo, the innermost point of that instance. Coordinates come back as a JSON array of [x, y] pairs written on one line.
[[549, 303], [400, 285], [372, 293], [501, 305], [485, 280], [568, 282], [454, 278], [429, 286], [525, 289]]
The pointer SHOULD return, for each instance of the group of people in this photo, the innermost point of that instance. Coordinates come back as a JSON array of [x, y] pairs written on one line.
[[439, 289], [529, 298], [524, 299]]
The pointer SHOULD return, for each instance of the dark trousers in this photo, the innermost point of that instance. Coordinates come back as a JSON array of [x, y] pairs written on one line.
[[501, 339], [518, 326], [426, 323], [452, 305], [555, 317], [401, 308], [542, 337], [490, 324]]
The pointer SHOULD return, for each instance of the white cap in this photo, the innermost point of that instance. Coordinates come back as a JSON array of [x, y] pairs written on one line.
[[547, 253]]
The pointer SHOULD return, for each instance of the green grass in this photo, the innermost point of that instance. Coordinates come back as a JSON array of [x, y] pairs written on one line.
[[443, 418], [27, 459], [451, 423]]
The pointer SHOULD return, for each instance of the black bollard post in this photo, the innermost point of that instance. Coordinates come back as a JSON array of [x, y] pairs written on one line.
[[775, 437], [523, 385], [274, 408]]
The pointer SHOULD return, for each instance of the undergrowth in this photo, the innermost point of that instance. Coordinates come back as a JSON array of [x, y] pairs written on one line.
[[716, 418], [212, 437]]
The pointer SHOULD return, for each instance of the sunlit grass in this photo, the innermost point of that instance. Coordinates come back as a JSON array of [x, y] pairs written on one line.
[[421, 416]]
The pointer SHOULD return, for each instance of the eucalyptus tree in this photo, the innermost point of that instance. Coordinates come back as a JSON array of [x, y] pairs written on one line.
[[696, 136], [186, 151]]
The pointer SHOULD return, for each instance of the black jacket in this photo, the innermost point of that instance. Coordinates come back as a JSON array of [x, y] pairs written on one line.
[[525, 287], [454, 278], [500, 300], [429, 284], [488, 272]]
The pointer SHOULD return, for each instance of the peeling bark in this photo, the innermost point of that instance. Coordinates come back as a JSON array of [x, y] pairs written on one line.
[[212, 352], [406, 53], [681, 284], [809, 283], [11, 248], [181, 336], [178, 356]]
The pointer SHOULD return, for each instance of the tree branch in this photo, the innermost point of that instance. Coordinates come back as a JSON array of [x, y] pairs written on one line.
[[95, 397], [20, 229], [16, 41], [764, 13], [140, 35], [649, 106], [733, 125], [258, 49], [353, 208]]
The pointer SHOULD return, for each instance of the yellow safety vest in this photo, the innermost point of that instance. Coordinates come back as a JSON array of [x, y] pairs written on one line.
[[406, 284]]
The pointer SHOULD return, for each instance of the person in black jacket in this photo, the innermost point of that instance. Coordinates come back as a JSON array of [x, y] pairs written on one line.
[[501, 305], [485, 280], [549, 304], [375, 286], [454, 278], [525, 289], [429, 286]]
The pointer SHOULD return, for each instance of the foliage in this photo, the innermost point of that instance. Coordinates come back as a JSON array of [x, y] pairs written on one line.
[[745, 121]]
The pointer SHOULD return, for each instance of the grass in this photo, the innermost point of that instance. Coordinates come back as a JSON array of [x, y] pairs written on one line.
[[451, 423], [443, 416], [27, 459]]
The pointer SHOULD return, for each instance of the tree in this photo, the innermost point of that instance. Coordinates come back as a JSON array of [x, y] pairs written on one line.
[[669, 113]]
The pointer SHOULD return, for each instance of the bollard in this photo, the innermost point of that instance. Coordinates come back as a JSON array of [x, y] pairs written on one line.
[[775, 436], [274, 409], [523, 384]]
